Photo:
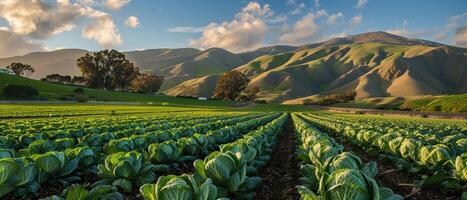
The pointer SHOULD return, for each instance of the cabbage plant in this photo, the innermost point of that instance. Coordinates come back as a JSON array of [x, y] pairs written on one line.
[[17, 173], [56, 168], [228, 172], [460, 167], [87, 158], [182, 187], [347, 184], [125, 170], [7, 153], [79, 192]]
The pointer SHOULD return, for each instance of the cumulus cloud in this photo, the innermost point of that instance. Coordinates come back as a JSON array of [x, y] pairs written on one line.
[[460, 36], [13, 44], [186, 29], [356, 21], [298, 9], [38, 19], [305, 30], [278, 19], [316, 3], [452, 31], [360, 3], [332, 19], [131, 22], [103, 30], [116, 4], [245, 32]]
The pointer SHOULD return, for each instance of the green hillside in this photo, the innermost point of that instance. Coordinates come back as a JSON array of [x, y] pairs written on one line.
[[51, 91]]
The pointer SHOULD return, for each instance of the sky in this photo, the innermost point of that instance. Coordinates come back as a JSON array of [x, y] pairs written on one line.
[[236, 25]]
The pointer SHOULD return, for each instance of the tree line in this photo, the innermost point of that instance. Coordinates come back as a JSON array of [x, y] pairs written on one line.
[[106, 69], [111, 70]]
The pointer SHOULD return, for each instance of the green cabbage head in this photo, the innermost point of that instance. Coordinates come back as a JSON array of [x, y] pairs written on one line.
[[182, 187], [124, 169]]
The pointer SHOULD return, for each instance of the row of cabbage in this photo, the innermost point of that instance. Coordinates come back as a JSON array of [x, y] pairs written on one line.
[[330, 173], [443, 161], [18, 135], [127, 162], [13, 111], [432, 131], [84, 125], [228, 173]]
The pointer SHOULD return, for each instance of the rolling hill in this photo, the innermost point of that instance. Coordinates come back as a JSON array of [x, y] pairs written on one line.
[[373, 65]]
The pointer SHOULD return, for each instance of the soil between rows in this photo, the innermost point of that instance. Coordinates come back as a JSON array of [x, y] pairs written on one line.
[[280, 175]]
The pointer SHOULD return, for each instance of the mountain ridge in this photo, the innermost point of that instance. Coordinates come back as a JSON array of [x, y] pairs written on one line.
[[374, 64]]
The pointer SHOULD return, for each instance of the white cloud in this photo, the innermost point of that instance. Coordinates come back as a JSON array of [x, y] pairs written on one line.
[[332, 19], [278, 19], [13, 44], [245, 32], [356, 21], [131, 22], [298, 9], [116, 4], [306, 30], [186, 29], [103, 30], [460, 36], [38, 19], [360, 3], [452, 31], [316, 3], [290, 2]]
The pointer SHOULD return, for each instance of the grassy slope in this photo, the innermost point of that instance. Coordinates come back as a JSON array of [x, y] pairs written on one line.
[[447, 103], [50, 91]]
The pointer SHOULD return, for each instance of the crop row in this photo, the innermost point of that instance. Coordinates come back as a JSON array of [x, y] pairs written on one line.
[[227, 173], [328, 172], [68, 132], [122, 164], [442, 160]]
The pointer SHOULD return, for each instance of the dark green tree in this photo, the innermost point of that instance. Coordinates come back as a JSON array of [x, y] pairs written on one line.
[[145, 83], [21, 69], [230, 85], [107, 69]]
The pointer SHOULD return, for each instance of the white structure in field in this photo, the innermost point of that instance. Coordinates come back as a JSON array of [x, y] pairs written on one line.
[[6, 71], [202, 98]]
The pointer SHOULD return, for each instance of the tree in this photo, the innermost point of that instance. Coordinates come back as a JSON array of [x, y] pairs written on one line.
[[57, 78], [122, 73], [21, 69], [78, 80], [230, 85], [249, 94], [145, 83], [107, 69]]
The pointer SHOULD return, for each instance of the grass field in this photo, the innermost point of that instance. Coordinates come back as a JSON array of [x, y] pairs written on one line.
[[51, 91]]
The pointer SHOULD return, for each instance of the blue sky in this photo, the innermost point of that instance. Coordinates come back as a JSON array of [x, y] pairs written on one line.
[[235, 25]]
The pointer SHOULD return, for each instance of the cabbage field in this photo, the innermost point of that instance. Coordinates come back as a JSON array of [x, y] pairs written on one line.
[[118, 152]]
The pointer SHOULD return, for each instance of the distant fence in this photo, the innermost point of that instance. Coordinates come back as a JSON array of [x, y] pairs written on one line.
[[436, 115]]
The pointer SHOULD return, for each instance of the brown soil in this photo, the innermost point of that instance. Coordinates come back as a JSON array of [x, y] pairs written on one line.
[[400, 181], [280, 175]]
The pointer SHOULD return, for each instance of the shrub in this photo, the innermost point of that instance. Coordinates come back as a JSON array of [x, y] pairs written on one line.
[[20, 91]]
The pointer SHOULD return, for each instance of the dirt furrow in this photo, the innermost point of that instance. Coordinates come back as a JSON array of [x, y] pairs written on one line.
[[280, 175]]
